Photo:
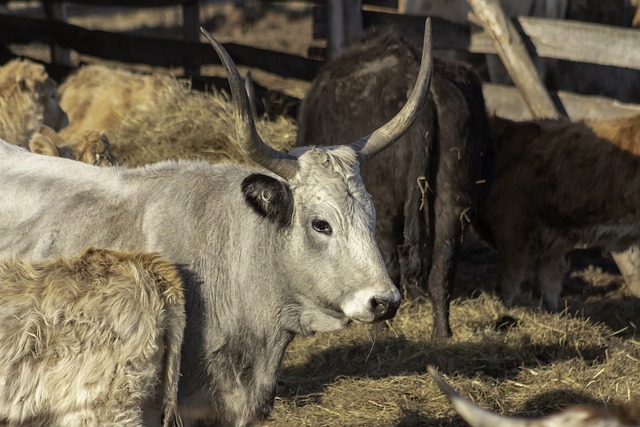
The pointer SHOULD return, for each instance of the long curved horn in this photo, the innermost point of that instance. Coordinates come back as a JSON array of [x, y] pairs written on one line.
[[380, 139], [250, 142], [474, 415]]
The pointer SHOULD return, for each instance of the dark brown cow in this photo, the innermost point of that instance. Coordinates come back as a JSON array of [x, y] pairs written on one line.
[[427, 188], [559, 185]]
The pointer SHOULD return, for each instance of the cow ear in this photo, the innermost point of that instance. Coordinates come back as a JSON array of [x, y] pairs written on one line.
[[269, 197]]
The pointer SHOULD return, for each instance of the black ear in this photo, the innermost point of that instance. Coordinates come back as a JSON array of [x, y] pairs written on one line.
[[269, 197]]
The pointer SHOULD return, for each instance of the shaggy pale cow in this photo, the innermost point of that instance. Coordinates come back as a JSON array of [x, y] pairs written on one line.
[[559, 185], [27, 101], [575, 416], [267, 252], [91, 147], [89, 340]]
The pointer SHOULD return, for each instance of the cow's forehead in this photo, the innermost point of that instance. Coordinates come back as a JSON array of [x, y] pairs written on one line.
[[332, 174]]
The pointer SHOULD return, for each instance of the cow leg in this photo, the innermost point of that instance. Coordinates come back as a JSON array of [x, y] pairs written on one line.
[[512, 264], [446, 243], [549, 273], [109, 416], [628, 263]]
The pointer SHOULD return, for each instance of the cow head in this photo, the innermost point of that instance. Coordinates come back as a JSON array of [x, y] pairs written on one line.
[[53, 115], [325, 213], [33, 80]]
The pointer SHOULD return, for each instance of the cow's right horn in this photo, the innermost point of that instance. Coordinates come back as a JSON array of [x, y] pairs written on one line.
[[381, 138], [474, 415], [250, 142]]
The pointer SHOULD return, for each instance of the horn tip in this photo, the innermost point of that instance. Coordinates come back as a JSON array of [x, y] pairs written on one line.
[[442, 384]]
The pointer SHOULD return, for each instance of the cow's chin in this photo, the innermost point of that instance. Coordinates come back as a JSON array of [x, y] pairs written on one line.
[[312, 321]]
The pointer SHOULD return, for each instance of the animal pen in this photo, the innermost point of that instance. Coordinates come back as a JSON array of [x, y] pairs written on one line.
[[516, 361], [338, 21]]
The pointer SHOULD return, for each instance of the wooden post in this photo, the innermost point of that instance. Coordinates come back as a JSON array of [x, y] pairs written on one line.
[[57, 11], [514, 56], [345, 24], [191, 32], [628, 263]]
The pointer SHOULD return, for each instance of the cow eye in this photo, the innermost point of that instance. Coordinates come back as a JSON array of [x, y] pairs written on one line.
[[321, 226]]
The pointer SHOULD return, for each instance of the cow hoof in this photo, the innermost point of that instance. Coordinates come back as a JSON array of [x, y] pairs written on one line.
[[440, 334]]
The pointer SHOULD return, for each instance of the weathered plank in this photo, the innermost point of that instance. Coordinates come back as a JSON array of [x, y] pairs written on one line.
[[506, 101], [58, 11], [344, 24], [558, 39], [148, 50], [513, 53], [128, 3], [582, 42], [191, 32]]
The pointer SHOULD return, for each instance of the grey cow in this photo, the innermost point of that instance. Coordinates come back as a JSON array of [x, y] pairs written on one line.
[[267, 253]]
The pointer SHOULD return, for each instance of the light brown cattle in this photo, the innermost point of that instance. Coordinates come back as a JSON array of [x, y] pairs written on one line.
[[97, 97], [90, 147], [574, 416], [89, 340], [27, 101], [623, 132]]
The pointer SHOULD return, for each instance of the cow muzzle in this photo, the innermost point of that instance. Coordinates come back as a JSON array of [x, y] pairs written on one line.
[[370, 306], [384, 308]]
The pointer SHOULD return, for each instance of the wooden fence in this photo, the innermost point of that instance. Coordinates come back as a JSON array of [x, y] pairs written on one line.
[[569, 40]]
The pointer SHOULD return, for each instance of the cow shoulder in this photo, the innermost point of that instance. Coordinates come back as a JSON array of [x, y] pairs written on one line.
[[269, 197]]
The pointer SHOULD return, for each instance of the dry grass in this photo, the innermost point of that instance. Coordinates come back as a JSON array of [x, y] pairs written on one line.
[[186, 124], [519, 361]]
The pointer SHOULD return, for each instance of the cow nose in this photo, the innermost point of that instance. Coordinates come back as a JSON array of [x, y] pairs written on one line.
[[383, 308]]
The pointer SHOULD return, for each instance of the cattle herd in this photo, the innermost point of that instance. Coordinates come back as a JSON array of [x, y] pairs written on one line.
[[168, 293]]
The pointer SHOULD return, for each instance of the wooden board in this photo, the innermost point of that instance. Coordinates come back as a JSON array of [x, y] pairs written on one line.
[[148, 50], [506, 101]]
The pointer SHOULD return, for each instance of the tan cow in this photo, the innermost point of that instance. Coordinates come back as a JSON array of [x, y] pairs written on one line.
[[90, 147], [97, 97], [84, 340], [574, 416], [27, 101]]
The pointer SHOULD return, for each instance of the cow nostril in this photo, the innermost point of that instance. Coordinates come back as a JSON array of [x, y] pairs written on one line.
[[384, 308], [380, 306]]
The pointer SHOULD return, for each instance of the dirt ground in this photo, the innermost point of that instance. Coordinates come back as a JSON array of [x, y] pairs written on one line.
[[519, 361]]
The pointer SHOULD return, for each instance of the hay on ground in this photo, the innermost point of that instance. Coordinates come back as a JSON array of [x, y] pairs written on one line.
[[187, 124]]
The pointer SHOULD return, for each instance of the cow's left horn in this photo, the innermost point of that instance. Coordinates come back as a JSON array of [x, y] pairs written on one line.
[[474, 415], [250, 142], [380, 139]]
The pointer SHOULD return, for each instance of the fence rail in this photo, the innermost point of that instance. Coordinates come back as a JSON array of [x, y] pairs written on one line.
[[558, 39], [131, 49]]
